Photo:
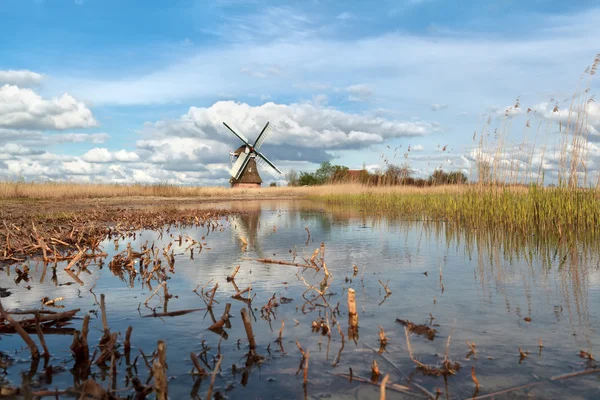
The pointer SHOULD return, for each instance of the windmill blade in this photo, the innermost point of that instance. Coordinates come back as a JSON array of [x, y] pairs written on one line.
[[239, 135], [239, 165], [262, 136], [264, 160]]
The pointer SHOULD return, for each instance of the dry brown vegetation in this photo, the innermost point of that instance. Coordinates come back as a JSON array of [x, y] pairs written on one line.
[[66, 190]]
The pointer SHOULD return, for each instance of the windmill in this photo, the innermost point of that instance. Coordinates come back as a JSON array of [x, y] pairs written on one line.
[[244, 172]]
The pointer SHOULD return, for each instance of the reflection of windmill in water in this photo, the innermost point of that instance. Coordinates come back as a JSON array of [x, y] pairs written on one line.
[[244, 172], [253, 227]]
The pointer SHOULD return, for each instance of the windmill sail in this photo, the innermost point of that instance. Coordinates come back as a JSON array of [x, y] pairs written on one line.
[[239, 135], [273, 170], [248, 156], [239, 165], [262, 136]]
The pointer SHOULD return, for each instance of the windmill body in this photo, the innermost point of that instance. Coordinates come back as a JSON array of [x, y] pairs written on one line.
[[244, 160], [249, 177]]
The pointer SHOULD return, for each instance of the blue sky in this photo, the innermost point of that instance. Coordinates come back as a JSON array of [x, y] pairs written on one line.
[[126, 91]]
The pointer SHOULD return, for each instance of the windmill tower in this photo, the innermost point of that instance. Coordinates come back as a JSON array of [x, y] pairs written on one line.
[[244, 171]]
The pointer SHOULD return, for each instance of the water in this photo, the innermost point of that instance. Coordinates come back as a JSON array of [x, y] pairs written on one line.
[[478, 289]]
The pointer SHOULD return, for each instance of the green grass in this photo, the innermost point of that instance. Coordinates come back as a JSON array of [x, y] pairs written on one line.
[[561, 213]]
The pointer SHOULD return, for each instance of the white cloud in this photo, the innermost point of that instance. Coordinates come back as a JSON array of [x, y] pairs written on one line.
[[95, 138], [97, 155], [125, 156], [16, 149], [20, 78], [360, 92], [303, 125], [417, 147], [102, 155], [397, 66], [438, 107], [25, 109], [80, 167]]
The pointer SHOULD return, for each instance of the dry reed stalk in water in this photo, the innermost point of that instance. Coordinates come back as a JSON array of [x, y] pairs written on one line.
[[474, 377], [306, 367], [213, 377], [35, 353], [232, 276], [473, 351], [47, 302], [385, 286], [162, 284], [224, 318], [75, 259], [41, 336], [352, 315], [383, 340], [103, 312], [248, 327], [159, 371], [382, 387], [375, 373], [199, 370]]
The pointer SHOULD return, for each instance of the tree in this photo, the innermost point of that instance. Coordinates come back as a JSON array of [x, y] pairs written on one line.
[[399, 173], [292, 177], [456, 178], [325, 172], [308, 179], [340, 173], [439, 177]]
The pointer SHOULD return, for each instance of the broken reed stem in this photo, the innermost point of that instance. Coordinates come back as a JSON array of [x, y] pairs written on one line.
[[270, 261], [352, 315], [35, 353], [75, 259], [224, 318], [155, 291], [306, 367], [127, 344], [303, 356], [248, 328], [104, 319], [212, 296], [159, 371], [382, 387], [213, 377], [197, 365], [385, 286], [375, 373], [279, 338], [448, 342], [474, 377], [337, 360], [232, 277], [40, 334]]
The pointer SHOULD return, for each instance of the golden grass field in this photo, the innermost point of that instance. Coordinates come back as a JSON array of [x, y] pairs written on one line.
[[53, 190]]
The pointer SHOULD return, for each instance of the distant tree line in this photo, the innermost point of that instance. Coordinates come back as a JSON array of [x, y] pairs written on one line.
[[393, 175]]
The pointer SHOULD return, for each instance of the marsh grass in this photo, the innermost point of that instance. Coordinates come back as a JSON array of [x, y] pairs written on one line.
[[69, 190], [562, 213]]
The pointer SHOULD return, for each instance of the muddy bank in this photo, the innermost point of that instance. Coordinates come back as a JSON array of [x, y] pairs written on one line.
[[12, 211]]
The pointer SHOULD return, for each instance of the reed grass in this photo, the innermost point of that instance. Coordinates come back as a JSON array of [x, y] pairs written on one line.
[[560, 212], [68, 190]]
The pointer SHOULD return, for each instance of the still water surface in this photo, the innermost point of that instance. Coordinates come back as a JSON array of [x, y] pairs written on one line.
[[481, 289]]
